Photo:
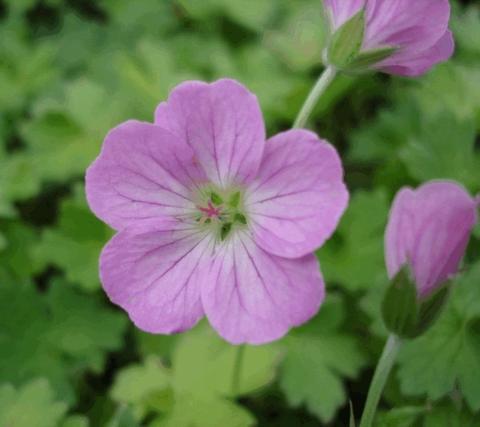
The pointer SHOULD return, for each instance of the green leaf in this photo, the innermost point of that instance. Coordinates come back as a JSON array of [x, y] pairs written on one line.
[[466, 28], [451, 346], [318, 361], [400, 308], [451, 87], [399, 417], [204, 412], [253, 14], [123, 417], [301, 38], [448, 415], [75, 243], [341, 259], [75, 421], [82, 328], [347, 41], [203, 365], [444, 148], [143, 387], [31, 405], [16, 253], [65, 136], [63, 334]]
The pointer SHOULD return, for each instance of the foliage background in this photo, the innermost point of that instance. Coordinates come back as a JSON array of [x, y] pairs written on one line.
[[72, 69]]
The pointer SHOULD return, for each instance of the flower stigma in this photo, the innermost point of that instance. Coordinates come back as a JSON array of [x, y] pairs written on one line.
[[222, 211]]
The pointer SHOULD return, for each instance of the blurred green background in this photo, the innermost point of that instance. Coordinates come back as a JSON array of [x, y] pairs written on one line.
[[72, 69]]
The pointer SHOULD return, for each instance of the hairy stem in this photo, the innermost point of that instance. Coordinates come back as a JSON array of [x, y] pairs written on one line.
[[379, 379], [322, 84], [237, 369]]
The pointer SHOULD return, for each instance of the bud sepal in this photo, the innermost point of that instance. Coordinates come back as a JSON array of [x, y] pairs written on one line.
[[404, 313]]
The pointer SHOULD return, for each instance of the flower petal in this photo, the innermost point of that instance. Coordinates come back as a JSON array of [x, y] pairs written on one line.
[[415, 25], [429, 228], [340, 11], [142, 172], [222, 123], [151, 271], [299, 195], [420, 63], [251, 296]]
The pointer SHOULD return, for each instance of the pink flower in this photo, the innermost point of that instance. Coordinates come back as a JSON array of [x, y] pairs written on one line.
[[429, 229], [212, 220], [417, 29]]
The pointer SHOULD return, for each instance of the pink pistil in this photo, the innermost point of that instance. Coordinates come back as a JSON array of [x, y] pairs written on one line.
[[211, 211]]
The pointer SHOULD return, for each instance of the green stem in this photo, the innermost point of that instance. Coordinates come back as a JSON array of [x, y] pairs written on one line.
[[379, 379], [237, 369], [322, 84]]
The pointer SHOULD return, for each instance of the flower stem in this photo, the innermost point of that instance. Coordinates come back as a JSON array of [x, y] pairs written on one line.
[[322, 84], [379, 379], [237, 369]]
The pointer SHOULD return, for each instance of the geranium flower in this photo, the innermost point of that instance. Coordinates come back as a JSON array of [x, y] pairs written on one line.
[[417, 30], [212, 219], [429, 229]]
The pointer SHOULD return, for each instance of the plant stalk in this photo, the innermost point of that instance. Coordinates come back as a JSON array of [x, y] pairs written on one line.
[[379, 379], [237, 369], [326, 78]]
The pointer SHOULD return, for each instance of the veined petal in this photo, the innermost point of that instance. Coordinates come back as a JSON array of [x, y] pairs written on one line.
[[143, 172], [251, 296], [223, 125], [340, 11], [418, 64], [151, 271], [429, 229], [414, 25], [299, 195], [417, 28]]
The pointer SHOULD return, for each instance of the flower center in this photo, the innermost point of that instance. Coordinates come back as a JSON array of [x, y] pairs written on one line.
[[221, 211]]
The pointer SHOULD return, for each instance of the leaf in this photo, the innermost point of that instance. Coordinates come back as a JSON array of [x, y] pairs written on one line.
[[19, 180], [454, 88], [444, 148], [63, 334], [466, 28], [202, 412], [75, 421], [399, 417], [451, 347], [143, 386], [65, 136], [252, 14], [341, 259], [75, 243], [81, 327], [318, 361], [448, 415], [379, 139], [31, 405], [16, 253], [123, 417], [203, 365], [299, 40]]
